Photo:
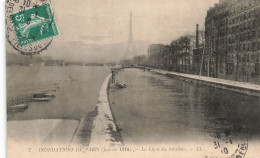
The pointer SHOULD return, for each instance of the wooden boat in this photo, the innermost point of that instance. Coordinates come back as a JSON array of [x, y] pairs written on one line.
[[49, 95], [43, 95], [17, 108], [42, 99]]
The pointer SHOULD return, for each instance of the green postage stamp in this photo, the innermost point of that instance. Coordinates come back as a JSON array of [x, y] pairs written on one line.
[[34, 24]]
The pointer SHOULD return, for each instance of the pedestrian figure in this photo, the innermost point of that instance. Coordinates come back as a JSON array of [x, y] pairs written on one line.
[[113, 76]]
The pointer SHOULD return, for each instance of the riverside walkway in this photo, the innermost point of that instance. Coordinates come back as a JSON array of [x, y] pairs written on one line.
[[240, 87]]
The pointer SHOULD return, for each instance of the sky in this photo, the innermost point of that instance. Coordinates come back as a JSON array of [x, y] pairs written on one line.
[[95, 30]]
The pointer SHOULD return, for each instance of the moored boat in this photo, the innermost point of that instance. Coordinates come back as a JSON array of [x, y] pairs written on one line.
[[17, 108], [42, 99], [43, 95], [120, 85]]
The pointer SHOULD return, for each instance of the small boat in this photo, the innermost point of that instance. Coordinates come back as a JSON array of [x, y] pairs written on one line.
[[148, 69], [42, 99], [50, 95], [43, 95], [17, 108], [120, 85]]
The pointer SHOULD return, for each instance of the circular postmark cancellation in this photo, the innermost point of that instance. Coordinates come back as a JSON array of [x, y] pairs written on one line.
[[30, 25], [228, 146]]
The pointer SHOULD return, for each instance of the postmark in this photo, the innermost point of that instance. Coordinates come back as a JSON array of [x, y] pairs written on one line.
[[30, 25], [228, 146]]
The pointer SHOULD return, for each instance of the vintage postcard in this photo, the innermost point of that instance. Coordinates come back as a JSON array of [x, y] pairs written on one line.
[[133, 78]]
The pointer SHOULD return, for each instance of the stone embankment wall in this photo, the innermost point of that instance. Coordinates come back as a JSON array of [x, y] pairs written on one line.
[[235, 86], [101, 128]]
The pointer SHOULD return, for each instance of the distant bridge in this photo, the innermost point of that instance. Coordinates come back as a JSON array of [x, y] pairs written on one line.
[[116, 69]]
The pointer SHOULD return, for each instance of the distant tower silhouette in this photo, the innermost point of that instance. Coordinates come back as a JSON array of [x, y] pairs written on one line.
[[130, 50]]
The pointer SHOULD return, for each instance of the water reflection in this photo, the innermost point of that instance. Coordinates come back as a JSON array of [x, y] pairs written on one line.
[[156, 108]]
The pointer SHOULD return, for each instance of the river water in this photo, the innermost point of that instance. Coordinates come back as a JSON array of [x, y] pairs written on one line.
[[152, 109], [158, 109], [76, 89]]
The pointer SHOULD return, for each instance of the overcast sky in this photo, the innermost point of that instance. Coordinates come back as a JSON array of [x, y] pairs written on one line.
[[86, 25], [106, 21]]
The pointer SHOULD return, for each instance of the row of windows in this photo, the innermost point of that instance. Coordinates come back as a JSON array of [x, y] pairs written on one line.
[[236, 29], [244, 57], [244, 36], [244, 16], [254, 46], [244, 26], [247, 14], [234, 8], [242, 5]]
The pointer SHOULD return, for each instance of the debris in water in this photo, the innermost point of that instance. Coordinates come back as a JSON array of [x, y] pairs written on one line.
[[120, 85]]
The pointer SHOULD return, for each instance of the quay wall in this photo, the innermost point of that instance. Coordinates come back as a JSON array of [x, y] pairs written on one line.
[[239, 87], [103, 130]]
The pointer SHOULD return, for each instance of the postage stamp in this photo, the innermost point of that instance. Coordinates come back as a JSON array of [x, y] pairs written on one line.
[[30, 25], [34, 24]]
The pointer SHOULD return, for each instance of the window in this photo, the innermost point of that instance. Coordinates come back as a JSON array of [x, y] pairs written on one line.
[[257, 67], [254, 34], [255, 46], [254, 23], [230, 68]]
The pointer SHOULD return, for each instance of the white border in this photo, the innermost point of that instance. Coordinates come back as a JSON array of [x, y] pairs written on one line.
[[2, 81]]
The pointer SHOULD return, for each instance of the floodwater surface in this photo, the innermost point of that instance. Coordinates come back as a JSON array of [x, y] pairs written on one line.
[[76, 90], [158, 109]]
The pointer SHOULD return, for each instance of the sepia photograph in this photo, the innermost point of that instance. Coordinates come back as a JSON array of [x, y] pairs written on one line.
[[132, 78]]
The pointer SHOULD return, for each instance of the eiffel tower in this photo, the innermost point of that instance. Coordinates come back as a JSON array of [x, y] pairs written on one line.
[[130, 50]]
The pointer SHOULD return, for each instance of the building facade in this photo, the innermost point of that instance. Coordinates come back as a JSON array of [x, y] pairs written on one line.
[[232, 40], [229, 48], [198, 52]]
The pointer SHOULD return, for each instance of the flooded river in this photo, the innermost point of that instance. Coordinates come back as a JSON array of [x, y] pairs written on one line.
[[77, 89], [158, 109], [152, 109]]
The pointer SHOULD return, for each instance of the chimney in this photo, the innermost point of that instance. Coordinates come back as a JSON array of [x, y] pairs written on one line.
[[197, 36]]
